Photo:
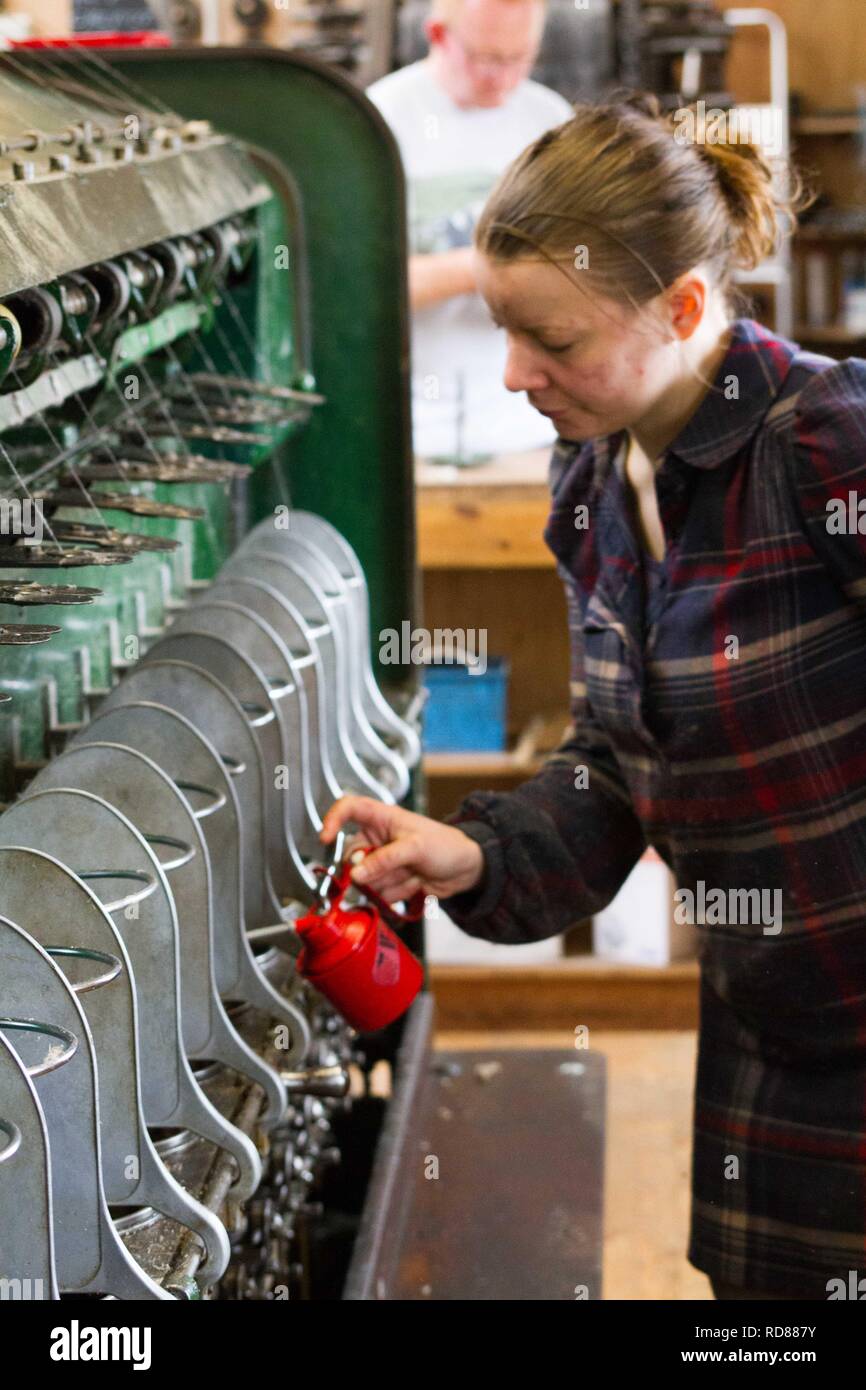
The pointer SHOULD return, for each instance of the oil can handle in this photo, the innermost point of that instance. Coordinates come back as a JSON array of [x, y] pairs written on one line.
[[414, 907]]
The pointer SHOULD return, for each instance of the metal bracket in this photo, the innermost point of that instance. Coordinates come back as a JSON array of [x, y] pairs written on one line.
[[351, 770], [250, 685], [70, 823], [133, 1173], [219, 716], [27, 1241], [138, 787], [90, 1256], [173, 742]]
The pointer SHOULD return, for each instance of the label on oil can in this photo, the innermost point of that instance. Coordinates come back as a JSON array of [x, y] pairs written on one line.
[[386, 967]]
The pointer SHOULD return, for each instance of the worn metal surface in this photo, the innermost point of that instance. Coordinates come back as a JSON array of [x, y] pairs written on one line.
[[69, 822], [132, 1173], [48, 227], [89, 1256], [492, 1180], [25, 1192], [154, 803], [516, 1211]]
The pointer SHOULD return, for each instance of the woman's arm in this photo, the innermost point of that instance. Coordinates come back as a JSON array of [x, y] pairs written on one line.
[[829, 462], [515, 866], [556, 849], [509, 867]]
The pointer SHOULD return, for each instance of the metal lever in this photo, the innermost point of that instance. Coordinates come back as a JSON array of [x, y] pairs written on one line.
[[219, 717], [90, 1257], [77, 823], [251, 635], [332, 1082], [306, 667], [309, 558], [334, 544], [136, 785], [311, 606], [172, 740], [133, 1173], [214, 652], [25, 1185]]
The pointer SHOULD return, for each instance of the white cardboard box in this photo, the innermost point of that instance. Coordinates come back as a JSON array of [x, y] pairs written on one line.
[[638, 927], [446, 944]]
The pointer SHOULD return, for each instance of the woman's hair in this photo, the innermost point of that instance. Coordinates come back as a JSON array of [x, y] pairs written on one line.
[[619, 180]]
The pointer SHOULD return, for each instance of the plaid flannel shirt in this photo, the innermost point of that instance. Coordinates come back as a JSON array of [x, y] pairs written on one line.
[[727, 729]]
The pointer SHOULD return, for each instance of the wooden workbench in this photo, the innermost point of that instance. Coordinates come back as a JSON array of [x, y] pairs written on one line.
[[485, 565], [488, 517]]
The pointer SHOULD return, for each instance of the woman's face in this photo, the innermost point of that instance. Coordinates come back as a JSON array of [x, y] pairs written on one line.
[[592, 365]]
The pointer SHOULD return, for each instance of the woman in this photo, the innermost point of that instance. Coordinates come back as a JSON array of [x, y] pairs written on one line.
[[704, 520]]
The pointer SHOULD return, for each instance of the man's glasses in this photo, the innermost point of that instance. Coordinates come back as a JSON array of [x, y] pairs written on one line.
[[478, 59]]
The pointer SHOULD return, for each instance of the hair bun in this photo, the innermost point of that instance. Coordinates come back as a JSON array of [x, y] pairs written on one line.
[[648, 204], [746, 183], [646, 103]]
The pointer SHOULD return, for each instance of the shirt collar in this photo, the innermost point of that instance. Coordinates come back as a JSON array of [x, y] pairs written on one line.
[[755, 366], [747, 383]]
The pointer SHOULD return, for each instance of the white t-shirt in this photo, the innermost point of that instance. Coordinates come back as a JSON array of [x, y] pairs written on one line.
[[452, 158]]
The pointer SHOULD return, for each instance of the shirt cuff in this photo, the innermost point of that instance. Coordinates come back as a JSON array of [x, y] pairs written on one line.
[[477, 903]]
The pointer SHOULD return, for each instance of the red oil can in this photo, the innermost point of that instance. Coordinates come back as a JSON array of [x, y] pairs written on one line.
[[352, 957]]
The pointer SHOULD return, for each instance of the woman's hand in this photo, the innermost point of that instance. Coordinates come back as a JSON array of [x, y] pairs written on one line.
[[415, 852]]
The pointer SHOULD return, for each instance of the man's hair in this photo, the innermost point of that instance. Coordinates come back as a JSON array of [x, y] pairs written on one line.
[[448, 10]]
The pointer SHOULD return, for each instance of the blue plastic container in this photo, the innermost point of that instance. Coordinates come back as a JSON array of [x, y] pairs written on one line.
[[466, 713]]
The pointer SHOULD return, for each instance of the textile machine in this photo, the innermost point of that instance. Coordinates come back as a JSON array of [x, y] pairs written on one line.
[[205, 518]]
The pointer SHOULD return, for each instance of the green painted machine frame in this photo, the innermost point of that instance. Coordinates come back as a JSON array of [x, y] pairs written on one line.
[[327, 308], [334, 163]]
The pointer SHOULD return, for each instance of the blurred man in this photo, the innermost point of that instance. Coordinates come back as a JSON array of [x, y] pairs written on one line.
[[460, 116]]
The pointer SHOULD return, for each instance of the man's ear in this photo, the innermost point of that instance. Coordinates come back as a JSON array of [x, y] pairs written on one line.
[[435, 29], [687, 302]]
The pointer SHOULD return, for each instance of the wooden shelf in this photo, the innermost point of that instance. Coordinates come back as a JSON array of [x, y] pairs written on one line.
[[818, 234], [522, 760], [491, 765], [576, 990], [831, 333], [839, 123], [489, 517]]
